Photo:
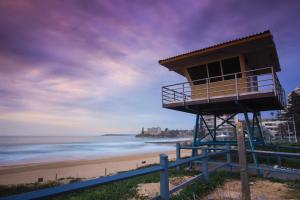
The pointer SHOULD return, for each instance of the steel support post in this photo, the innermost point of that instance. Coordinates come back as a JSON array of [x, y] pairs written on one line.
[[257, 119], [228, 156], [250, 138], [215, 128], [209, 131], [253, 125], [259, 127], [196, 132], [267, 156], [278, 156], [177, 154], [205, 164], [195, 138]]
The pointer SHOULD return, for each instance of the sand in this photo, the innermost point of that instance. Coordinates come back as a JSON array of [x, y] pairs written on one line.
[[29, 173], [151, 190], [260, 189]]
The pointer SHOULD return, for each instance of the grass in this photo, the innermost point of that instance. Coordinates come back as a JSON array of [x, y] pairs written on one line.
[[200, 188], [294, 185], [127, 189], [122, 189], [21, 188]]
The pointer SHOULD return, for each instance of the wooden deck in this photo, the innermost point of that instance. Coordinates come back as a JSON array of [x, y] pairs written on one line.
[[256, 101]]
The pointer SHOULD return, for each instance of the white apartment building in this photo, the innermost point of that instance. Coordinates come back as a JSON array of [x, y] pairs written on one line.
[[154, 131], [280, 130], [275, 128]]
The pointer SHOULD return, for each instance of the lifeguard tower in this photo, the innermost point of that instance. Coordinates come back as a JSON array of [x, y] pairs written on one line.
[[234, 77]]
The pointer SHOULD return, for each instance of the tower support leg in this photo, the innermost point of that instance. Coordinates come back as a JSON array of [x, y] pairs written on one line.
[[251, 140], [257, 117], [196, 133], [208, 129], [215, 128], [259, 127]]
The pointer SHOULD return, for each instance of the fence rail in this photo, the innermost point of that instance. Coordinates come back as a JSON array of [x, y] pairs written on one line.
[[162, 168], [165, 165]]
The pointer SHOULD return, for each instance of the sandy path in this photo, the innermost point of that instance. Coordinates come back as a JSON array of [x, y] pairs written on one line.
[[260, 189], [29, 173]]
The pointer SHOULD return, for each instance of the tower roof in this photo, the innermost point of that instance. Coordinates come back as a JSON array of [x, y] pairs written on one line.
[[259, 47]]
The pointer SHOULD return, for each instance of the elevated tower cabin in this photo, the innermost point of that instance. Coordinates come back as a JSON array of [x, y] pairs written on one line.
[[234, 77]]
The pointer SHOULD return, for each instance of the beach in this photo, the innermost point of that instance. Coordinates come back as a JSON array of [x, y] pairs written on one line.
[[86, 169]]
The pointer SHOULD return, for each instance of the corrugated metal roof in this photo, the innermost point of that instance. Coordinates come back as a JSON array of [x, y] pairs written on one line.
[[214, 46]]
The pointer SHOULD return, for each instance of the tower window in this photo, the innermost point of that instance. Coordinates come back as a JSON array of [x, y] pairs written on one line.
[[214, 69], [197, 74], [231, 66]]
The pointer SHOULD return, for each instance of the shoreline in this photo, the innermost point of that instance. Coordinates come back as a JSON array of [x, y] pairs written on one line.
[[89, 159], [50, 171]]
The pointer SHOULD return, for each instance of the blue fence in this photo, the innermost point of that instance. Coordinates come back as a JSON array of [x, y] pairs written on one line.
[[165, 165]]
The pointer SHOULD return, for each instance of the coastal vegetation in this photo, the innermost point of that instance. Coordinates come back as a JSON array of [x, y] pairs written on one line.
[[128, 189]]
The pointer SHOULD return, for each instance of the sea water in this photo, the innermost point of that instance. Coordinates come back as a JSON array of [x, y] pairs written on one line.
[[32, 149]]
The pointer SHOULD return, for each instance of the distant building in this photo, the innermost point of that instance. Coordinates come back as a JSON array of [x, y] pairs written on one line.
[[293, 110], [276, 129], [158, 132], [292, 115], [154, 131], [143, 132]]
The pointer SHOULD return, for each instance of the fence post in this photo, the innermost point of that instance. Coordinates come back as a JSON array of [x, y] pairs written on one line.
[[205, 164], [177, 154], [278, 156], [243, 166], [164, 177], [228, 156]]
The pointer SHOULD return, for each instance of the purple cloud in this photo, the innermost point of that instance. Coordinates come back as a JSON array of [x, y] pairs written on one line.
[[91, 63]]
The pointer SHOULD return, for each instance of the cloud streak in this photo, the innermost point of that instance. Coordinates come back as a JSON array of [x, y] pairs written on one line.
[[90, 67]]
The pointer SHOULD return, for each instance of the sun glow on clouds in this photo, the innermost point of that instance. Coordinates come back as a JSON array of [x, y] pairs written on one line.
[[91, 67]]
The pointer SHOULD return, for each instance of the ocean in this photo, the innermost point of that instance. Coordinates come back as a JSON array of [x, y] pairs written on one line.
[[32, 149]]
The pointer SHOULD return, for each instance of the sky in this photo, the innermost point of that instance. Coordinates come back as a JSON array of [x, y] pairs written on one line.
[[91, 67]]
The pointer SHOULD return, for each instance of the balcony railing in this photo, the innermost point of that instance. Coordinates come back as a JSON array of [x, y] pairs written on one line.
[[236, 84]]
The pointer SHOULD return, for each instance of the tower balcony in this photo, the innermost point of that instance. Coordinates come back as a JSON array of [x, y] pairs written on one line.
[[253, 90]]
